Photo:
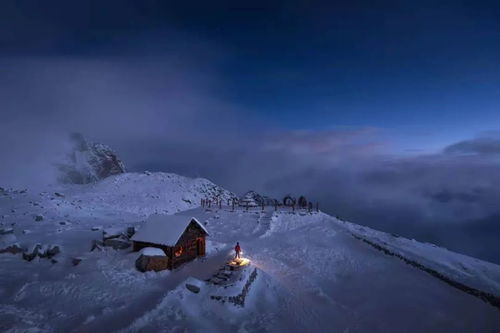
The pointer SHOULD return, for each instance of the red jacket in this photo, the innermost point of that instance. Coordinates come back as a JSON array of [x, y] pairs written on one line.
[[237, 248]]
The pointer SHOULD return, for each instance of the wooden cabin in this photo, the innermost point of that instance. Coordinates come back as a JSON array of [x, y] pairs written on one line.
[[182, 238]]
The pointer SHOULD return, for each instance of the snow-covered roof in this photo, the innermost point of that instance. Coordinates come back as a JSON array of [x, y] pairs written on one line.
[[152, 251], [164, 229]]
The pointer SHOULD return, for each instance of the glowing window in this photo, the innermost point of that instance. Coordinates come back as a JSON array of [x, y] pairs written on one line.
[[179, 251]]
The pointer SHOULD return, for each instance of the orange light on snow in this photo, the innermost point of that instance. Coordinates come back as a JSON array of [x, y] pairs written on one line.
[[240, 262]]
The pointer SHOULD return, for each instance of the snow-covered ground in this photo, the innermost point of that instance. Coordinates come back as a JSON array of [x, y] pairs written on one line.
[[312, 274], [147, 193]]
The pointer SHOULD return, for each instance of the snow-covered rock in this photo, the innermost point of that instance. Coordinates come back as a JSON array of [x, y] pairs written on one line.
[[8, 243], [4, 231], [151, 263], [76, 261], [151, 259], [89, 162], [96, 245], [53, 250], [42, 252], [193, 285], [193, 288], [32, 253], [252, 199], [110, 233]]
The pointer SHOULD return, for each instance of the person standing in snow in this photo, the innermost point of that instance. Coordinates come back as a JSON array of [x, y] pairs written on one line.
[[237, 249]]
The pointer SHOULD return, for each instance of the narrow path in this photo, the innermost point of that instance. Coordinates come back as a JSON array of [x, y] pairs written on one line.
[[263, 223]]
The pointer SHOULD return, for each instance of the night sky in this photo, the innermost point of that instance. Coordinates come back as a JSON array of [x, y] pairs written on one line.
[[387, 112]]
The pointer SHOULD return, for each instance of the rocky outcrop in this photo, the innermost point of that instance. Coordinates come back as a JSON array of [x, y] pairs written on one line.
[[192, 288], [117, 243], [76, 261], [89, 162], [42, 251], [32, 253], [5, 231], [252, 198], [240, 298]]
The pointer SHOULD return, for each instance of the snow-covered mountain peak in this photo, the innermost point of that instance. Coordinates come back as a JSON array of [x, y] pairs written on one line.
[[88, 162]]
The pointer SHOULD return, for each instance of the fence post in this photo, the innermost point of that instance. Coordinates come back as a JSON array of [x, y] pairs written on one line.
[[317, 207]]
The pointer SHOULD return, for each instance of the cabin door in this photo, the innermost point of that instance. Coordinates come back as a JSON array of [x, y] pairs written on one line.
[[200, 246]]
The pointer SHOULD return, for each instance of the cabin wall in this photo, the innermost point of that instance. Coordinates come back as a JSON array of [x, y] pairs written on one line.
[[189, 244]]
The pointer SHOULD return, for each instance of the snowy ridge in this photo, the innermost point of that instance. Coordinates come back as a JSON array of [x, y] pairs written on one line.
[[252, 199], [467, 270], [148, 193]]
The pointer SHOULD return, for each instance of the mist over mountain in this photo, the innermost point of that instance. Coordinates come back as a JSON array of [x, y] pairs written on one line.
[[88, 162]]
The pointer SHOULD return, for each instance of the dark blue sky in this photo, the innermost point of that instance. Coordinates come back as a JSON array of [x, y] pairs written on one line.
[[425, 71]]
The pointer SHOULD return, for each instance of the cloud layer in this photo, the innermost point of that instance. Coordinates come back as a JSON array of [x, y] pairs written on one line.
[[167, 114], [448, 198]]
